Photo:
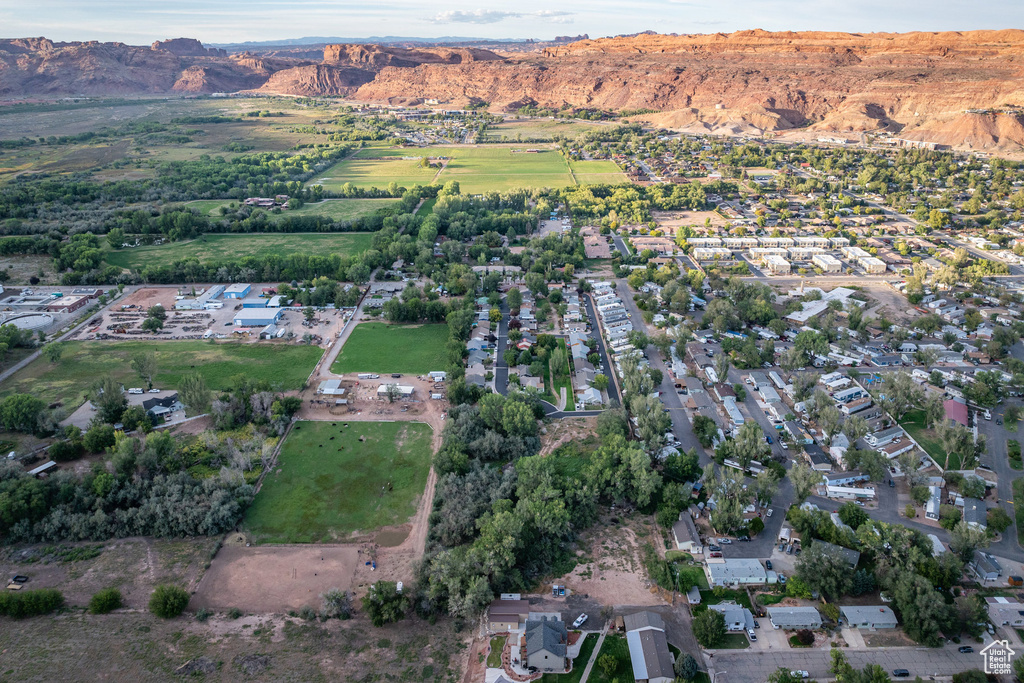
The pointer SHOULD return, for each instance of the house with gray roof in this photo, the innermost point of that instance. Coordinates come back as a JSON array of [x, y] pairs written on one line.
[[976, 513], [735, 572], [852, 556], [868, 616], [794, 618], [684, 531], [985, 566], [546, 642], [648, 649], [737, 618]]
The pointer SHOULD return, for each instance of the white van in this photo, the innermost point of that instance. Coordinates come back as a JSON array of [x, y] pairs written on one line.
[[135, 390]]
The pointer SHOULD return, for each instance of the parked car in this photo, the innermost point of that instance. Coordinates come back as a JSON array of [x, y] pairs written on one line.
[[18, 578], [580, 620], [768, 564], [799, 674], [751, 635], [769, 513], [725, 541], [714, 548], [892, 484], [965, 649], [900, 673], [716, 554], [768, 438], [743, 539], [789, 549]]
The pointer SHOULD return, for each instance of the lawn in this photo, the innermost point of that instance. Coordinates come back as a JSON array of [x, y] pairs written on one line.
[[733, 641], [379, 347], [914, 423], [427, 207], [616, 646], [234, 247], [555, 385], [376, 167], [82, 363], [329, 480], [578, 664], [597, 171], [494, 656]]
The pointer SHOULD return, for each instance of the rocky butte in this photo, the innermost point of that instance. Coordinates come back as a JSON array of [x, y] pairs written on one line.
[[957, 88]]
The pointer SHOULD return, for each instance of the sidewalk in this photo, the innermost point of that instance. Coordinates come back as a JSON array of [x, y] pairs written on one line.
[[593, 656]]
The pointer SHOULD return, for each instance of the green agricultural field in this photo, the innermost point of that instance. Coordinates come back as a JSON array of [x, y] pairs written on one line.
[[597, 172], [69, 380], [383, 348], [233, 247], [378, 168], [329, 480], [480, 169]]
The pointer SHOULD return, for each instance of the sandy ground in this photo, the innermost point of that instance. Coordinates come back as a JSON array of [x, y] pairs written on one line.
[[132, 565], [614, 575], [669, 221], [273, 578], [561, 432]]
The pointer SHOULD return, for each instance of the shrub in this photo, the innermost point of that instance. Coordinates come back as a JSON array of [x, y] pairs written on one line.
[[608, 664], [202, 614], [105, 601], [336, 604], [30, 603], [168, 602], [805, 636], [234, 613]]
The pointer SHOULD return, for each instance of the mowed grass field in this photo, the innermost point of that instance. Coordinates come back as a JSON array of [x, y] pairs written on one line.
[[486, 168], [83, 363], [597, 172], [332, 481], [233, 247], [537, 129], [383, 348]]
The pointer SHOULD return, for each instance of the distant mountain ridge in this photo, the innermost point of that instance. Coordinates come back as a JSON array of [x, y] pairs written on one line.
[[964, 89]]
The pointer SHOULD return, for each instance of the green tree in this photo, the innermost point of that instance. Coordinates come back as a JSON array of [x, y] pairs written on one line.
[[384, 604], [98, 437], [804, 481], [964, 539], [167, 601], [600, 382], [193, 393], [53, 352], [608, 664], [144, 364], [109, 400], [152, 325], [824, 569], [20, 412], [709, 628], [686, 666]]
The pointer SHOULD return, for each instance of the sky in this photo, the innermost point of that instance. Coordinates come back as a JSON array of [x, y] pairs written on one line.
[[141, 22]]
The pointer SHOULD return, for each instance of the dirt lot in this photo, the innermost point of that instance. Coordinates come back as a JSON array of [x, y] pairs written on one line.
[[136, 646], [272, 579], [609, 570], [133, 565], [561, 432], [669, 221]]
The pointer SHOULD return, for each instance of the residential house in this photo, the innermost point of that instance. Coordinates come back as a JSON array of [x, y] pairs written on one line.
[[852, 557], [507, 615], [1005, 611], [794, 618], [976, 513], [985, 567], [737, 617], [735, 572], [685, 533], [931, 508], [868, 616], [546, 644]]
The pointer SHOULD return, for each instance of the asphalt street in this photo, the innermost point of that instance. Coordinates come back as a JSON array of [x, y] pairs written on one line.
[[755, 666]]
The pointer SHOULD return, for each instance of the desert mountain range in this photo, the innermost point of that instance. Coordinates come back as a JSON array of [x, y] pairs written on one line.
[[957, 88]]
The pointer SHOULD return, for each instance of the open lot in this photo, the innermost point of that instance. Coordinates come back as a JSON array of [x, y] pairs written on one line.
[[383, 348], [537, 129], [337, 480], [274, 579], [914, 423], [83, 363], [233, 247]]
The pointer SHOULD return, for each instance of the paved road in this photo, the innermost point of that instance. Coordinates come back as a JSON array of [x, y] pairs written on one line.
[[681, 426], [620, 245], [602, 350], [745, 666]]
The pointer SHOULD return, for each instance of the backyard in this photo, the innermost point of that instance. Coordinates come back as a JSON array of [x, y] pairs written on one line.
[[380, 347], [233, 247], [914, 423], [578, 664], [83, 363], [616, 646], [337, 479]]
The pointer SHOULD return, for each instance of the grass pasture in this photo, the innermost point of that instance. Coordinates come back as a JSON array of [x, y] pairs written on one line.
[[336, 209], [384, 348], [233, 247], [597, 172], [69, 380], [487, 168], [329, 479]]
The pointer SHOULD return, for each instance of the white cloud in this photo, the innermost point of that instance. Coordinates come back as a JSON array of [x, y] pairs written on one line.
[[488, 16]]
